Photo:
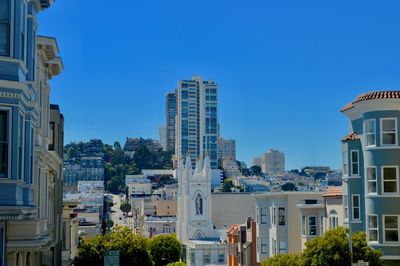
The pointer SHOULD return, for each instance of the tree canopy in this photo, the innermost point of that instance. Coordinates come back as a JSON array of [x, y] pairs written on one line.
[[288, 187], [165, 249]]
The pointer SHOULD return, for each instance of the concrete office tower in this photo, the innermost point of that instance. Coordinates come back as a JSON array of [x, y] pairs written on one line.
[[197, 120], [162, 131], [226, 149], [371, 162], [170, 111]]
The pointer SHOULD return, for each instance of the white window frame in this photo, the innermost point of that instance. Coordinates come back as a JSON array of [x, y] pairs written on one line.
[[352, 163], [309, 227], [371, 181], [372, 228], [355, 207], [304, 226], [366, 134], [384, 229], [273, 215], [263, 215], [383, 179], [333, 220], [9, 138], [281, 250], [395, 131]]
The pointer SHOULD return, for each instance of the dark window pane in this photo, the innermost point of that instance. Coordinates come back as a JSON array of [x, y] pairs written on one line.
[[4, 39]]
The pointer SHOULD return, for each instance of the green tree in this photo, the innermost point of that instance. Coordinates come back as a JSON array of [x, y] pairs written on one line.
[[116, 184], [178, 263], [165, 249], [125, 207], [361, 250], [256, 170], [283, 260], [132, 248], [71, 153], [288, 187], [143, 158], [228, 185]]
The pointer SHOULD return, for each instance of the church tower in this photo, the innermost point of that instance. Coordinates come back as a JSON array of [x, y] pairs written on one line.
[[194, 200]]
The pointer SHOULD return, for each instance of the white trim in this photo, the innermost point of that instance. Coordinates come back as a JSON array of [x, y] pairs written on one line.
[[365, 132], [351, 163], [367, 181], [368, 228], [303, 226], [395, 132], [384, 229], [382, 196], [308, 226], [352, 207], [9, 139], [386, 257], [383, 180]]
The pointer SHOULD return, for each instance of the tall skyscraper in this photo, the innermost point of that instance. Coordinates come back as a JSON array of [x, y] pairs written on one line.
[[197, 120], [170, 106], [162, 131]]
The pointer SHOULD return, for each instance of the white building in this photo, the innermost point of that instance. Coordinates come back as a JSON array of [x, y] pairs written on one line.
[[197, 120], [226, 149], [194, 224], [162, 131], [87, 186], [140, 188], [155, 225], [271, 162]]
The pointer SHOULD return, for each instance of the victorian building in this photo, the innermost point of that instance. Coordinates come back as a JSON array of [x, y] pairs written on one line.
[[371, 161], [30, 139]]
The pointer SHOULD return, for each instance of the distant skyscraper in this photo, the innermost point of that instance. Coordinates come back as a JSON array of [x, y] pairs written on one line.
[[197, 120], [226, 148], [162, 131], [272, 162], [170, 106]]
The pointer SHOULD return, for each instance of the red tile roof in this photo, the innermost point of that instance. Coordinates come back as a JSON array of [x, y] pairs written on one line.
[[333, 192], [351, 136], [373, 96]]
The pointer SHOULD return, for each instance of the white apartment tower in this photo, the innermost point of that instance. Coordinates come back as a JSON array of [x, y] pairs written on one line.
[[271, 162], [197, 120]]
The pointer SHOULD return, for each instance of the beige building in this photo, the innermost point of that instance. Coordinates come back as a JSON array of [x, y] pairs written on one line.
[[286, 220], [69, 232], [334, 211], [272, 162], [166, 208]]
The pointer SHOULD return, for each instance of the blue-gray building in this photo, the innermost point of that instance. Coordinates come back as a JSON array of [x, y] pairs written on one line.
[[371, 161], [30, 163]]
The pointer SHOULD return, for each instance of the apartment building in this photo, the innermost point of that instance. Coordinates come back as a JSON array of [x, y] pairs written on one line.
[[226, 149], [170, 111], [272, 162], [371, 161]]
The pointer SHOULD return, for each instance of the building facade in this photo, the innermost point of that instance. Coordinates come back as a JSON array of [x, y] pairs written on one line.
[[30, 153], [371, 162], [271, 162], [170, 111], [226, 149], [196, 130], [162, 132]]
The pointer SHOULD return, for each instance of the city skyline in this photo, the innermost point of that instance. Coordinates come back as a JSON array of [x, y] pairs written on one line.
[[283, 78]]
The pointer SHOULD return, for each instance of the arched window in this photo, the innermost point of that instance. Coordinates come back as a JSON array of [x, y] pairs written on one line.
[[199, 204], [199, 235], [333, 219]]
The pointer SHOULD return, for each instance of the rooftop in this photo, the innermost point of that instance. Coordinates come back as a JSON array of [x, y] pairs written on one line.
[[372, 96], [333, 192], [351, 136]]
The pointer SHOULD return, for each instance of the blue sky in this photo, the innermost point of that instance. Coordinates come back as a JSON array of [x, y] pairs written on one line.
[[284, 68]]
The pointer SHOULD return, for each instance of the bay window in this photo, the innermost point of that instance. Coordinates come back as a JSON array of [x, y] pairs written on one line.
[[391, 228], [371, 180], [4, 145], [5, 6], [388, 131], [370, 129], [390, 182], [372, 228]]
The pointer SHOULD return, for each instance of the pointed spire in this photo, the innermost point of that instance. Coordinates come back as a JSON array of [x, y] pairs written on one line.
[[199, 165], [206, 166], [188, 163]]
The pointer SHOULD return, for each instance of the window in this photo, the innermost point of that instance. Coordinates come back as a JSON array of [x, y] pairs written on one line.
[[312, 226], [206, 257], [371, 179], [391, 228], [281, 211], [263, 215], [166, 228], [264, 245], [282, 247], [372, 228], [5, 27], [389, 175], [20, 147], [355, 163], [221, 256], [4, 144], [192, 257], [303, 226], [333, 219], [321, 225], [273, 216], [273, 246], [370, 132], [356, 207], [388, 131], [51, 136], [345, 163], [199, 204]]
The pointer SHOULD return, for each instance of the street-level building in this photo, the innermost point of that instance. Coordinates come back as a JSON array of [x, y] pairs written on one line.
[[371, 162], [286, 221], [30, 164]]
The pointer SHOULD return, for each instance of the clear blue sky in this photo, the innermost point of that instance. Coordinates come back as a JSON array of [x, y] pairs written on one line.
[[284, 68]]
